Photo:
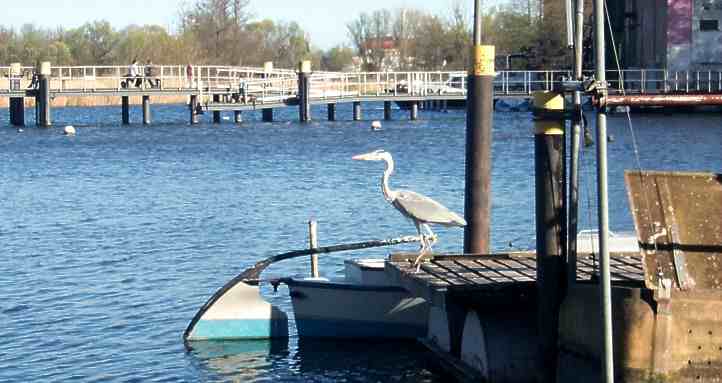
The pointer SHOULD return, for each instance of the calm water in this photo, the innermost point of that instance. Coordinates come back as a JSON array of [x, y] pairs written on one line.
[[112, 239]]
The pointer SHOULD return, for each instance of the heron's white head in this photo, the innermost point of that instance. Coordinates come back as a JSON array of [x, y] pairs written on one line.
[[376, 155]]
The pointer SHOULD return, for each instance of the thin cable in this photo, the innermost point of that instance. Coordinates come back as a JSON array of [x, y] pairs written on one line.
[[635, 147]]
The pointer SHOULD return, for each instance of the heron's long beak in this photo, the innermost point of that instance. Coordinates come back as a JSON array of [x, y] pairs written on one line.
[[361, 157]]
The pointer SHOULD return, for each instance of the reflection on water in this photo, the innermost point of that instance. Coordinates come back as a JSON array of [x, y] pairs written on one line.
[[316, 361]]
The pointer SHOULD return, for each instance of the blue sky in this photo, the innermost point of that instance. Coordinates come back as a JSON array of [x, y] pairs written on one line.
[[324, 20]]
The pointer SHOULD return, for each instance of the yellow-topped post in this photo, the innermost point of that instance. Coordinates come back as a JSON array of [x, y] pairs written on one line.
[[479, 114], [549, 123]]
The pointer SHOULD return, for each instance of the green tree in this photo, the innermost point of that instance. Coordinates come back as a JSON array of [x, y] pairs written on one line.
[[337, 59]]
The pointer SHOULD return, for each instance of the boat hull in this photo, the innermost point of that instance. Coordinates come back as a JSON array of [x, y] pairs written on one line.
[[326, 309]]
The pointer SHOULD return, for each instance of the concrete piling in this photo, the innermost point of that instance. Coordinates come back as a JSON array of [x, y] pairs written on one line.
[[414, 111], [146, 110], [17, 111], [193, 109], [125, 109], [331, 112], [42, 97], [267, 114], [357, 111], [387, 110]]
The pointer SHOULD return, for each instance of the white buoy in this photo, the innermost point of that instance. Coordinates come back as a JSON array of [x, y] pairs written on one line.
[[376, 125], [69, 130]]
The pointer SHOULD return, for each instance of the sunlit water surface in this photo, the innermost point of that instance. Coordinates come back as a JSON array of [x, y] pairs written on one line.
[[111, 240]]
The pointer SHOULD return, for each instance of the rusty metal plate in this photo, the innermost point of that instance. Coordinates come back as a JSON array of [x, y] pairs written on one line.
[[678, 218]]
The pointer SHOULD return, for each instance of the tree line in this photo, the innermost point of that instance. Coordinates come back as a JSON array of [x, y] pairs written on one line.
[[224, 32]]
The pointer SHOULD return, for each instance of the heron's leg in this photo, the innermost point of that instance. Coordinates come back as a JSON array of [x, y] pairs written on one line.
[[425, 245], [422, 239], [431, 235]]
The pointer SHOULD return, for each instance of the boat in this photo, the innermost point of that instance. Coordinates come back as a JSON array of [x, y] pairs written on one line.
[[363, 304]]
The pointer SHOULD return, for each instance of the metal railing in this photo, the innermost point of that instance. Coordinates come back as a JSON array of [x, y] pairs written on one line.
[[280, 84]]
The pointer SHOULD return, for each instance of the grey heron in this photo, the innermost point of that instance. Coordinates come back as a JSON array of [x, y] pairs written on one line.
[[421, 209]]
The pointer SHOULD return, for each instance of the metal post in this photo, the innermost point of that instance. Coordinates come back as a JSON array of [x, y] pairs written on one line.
[[575, 147], [414, 111], [602, 195], [304, 107], [146, 110], [193, 106], [125, 109], [357, 110], [216, 113], [331, 112], [237, 116], [17, 111], [267, 115], [480, 109], [313, 244], [549, 176], [387, 110]]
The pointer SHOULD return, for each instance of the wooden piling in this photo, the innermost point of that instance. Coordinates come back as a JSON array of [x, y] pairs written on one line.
[[216, 113], [313, 244], [387, 110], [444, 105], [193, 106], [304, 75], [17, 111], [479, 114], [267, 115], [146, 110], [331, 112], [237, 117], [549, 176], [125, 109], [414, 111], [357, 111]]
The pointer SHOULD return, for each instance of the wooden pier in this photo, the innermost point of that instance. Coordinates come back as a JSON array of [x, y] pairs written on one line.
[[218, 89]]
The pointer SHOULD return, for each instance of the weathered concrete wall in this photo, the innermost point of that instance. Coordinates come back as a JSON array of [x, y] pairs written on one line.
[[679, 34], [707, 45]]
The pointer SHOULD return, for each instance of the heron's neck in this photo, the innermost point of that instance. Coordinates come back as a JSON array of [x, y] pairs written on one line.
[[388, 193]]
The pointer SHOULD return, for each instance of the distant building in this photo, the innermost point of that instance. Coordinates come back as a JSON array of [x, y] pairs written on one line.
[[673, 34]]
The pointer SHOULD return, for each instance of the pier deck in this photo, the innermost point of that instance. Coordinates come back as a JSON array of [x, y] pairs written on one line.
[[445, 274]]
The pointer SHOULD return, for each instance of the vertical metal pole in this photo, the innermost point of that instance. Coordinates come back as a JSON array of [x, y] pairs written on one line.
[[387, 110], [575, 147], [480, 106], [549, 176], [146, 110], [602, 195], [125, 110], [331, 111], [237, 116], [313, 244]]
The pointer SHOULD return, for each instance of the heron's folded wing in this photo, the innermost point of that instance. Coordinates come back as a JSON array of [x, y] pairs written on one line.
[[426, 209]]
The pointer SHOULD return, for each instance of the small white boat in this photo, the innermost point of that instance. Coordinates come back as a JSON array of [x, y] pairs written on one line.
[[364, 304], [623, 242]]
